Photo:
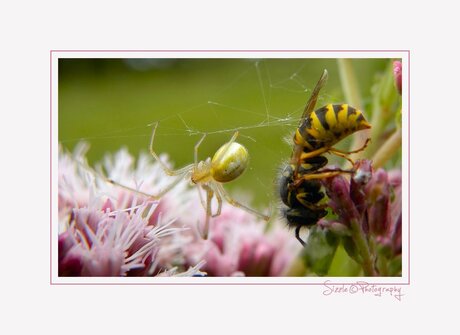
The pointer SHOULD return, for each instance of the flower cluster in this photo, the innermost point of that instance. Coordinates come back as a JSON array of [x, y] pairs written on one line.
[[108, 230], [238, 246], [369, 217], [105, 243]]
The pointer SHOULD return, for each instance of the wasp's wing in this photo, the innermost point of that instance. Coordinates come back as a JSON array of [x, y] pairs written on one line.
[[314, 97]]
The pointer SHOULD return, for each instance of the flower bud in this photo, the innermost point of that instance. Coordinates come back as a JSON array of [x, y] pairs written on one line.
[[397, 72], [396, 238], [360, 178], [378, 197], [340, 201]]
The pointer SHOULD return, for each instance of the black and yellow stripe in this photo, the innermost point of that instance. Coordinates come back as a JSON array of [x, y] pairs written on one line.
[[319, 130], [307, 194], [328, 125]]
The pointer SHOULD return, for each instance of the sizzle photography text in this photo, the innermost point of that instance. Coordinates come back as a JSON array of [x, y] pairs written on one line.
[[362, 287]]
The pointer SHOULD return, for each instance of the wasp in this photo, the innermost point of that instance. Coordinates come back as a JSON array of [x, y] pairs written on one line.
[[318, 131]]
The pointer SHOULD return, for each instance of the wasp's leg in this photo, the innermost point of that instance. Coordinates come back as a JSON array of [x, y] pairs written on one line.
[[310, 205], [344, 154], [338, 153], [338, 170], [306, 155], [297, 236], [322, 175]]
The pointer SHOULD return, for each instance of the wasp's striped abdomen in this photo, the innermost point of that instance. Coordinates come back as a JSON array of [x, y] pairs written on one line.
[[318, 131], [328, 125]]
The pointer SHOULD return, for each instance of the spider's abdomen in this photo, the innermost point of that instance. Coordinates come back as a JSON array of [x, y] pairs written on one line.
[[229, 162]]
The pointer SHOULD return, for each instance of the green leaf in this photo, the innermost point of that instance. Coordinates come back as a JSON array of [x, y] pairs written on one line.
[[320, 250], [395, 266], [398, 117], [351, 249], [343, 265]]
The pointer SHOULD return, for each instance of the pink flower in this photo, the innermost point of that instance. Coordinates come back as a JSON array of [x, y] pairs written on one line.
[[107, 230], [373, 199], [239, 246], [397, 72], [98, 243]]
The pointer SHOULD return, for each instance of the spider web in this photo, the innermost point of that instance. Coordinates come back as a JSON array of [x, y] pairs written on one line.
[[262, 99]]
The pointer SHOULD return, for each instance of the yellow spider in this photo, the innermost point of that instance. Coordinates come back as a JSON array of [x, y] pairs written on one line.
[[227, 164]]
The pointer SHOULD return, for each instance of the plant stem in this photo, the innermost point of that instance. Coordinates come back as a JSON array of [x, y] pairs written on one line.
[[349, 82], [388, 149], [363, 249], [352, 96], [383, 98], [378, 123]]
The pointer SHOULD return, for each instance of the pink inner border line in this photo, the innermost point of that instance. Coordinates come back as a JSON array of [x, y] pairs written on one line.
[[211, 50], [51, 167], [236, 51], [408, 167]]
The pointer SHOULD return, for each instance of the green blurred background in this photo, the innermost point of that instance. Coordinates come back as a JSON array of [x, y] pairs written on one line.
[[111, 103]]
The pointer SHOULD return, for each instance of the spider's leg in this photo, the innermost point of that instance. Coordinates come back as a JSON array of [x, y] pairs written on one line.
[[209, 196], [152, 196], [235, 203], [100, 175], [219, 204], [198, 188], [196, 150], [165, 168]]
